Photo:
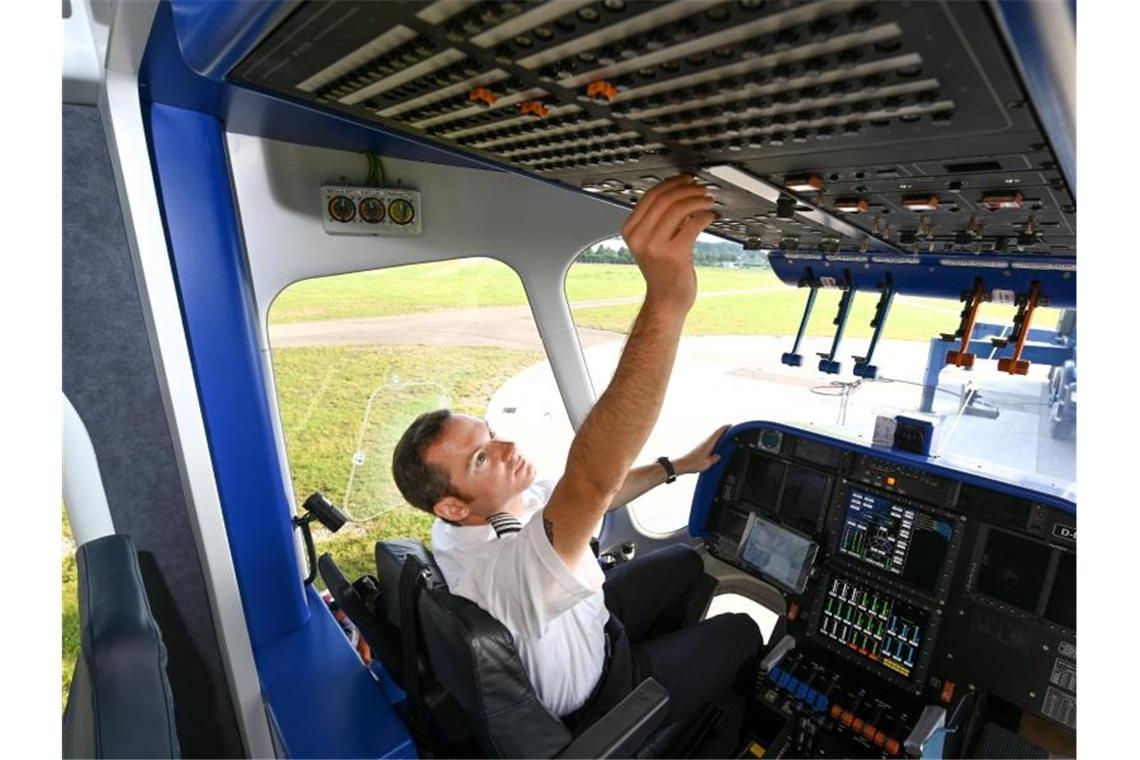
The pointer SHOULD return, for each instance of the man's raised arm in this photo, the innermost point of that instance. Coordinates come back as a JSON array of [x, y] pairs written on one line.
[[660, 233]]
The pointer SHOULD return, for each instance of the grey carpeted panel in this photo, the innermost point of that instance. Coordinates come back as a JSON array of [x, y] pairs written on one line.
[[109, 375]]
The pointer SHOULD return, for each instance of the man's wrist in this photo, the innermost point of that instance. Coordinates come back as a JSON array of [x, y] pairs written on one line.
[[668, 306]]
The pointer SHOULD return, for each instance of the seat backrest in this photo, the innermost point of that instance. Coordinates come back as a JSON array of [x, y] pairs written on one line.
[[473, 657], [120, 704]]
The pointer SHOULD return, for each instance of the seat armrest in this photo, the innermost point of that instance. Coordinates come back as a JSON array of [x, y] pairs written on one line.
[[623, 729]]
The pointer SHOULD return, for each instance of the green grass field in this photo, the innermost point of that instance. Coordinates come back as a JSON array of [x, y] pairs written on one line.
[[471, 283], [468, 283], [69, 578], [323, 392]]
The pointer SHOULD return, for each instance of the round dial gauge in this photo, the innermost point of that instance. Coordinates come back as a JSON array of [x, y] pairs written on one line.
[[401, 211], [341, 208], [372, 210]]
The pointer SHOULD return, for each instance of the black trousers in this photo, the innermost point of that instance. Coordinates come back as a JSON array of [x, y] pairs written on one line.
[[648, 600]]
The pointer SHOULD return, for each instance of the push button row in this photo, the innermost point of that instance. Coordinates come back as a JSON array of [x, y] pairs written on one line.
[[869, 731], [798, 689]]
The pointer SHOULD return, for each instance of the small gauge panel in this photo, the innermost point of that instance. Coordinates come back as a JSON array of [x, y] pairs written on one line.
[[347, 210]]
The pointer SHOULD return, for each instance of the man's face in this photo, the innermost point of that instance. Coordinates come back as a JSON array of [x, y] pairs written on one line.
[[487, 471]]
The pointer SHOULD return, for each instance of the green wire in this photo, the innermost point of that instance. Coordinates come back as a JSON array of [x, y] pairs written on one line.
[[380, 168], [376, 177], [371, 178]]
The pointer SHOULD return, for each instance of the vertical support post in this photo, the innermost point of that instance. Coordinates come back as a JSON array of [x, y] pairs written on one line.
[[793, 358], [962, 357], [1015, 365], [935, 361], [827, 361], [863, 366]]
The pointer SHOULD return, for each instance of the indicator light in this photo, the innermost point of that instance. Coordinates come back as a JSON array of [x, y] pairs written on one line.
[[803, 183], [920, 202], [947, 692], [891, 480], [852, 205], [1002, 200]]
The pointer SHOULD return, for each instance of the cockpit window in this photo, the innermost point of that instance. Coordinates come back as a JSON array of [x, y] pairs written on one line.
[[357, 357], [729, 369]]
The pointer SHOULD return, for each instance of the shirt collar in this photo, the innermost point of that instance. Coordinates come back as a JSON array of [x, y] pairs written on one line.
[[445, 536]]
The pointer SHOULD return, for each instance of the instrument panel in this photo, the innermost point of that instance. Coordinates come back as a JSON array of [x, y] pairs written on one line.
[[925, 586]]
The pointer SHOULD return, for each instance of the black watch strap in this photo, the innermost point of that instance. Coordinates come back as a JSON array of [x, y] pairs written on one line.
[[670, 473]]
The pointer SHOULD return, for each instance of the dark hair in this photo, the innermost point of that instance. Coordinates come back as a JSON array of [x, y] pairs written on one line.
[[422, 484]]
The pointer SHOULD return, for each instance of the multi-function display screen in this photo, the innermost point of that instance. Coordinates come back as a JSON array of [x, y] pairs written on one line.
[[796, 495], [874, 625], [899, 539], [778, 554], [1013, 569], [804, 497]]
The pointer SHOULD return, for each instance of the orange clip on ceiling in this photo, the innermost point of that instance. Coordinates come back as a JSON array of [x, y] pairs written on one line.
[[481, 96], [601, 90], [533, 108]]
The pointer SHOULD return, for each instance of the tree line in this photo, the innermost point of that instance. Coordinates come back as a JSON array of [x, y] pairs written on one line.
[[704, 254]]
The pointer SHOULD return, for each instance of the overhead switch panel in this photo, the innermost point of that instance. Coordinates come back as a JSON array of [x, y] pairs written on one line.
[[889, 116]]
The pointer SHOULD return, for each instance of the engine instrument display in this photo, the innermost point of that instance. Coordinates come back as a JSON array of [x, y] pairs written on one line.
[[875, 625], [777, 553], [899, 539]]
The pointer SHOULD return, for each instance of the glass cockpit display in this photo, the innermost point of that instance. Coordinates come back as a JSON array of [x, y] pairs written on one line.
[[777, 553], [899, 539], [873, 624]]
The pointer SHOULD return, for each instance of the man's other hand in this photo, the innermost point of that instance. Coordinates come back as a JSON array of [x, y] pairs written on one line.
[[660, 234], [702, 457]]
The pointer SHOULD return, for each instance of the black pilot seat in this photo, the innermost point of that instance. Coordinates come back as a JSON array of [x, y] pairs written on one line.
[[467, 691]]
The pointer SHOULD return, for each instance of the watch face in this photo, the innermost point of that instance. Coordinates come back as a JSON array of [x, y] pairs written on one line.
[[401, 211], [372, 210], [341, 208]]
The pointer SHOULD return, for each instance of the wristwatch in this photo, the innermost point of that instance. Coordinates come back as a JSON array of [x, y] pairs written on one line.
[[670, 473]]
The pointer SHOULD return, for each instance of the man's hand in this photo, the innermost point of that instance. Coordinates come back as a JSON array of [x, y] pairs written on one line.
[[701, 458], [660, 234]]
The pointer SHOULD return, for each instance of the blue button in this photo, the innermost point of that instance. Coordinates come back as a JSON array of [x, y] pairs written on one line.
[[810, 696], [774, 674], [821, 703], [793, 684], [783, 680], [801, 692]]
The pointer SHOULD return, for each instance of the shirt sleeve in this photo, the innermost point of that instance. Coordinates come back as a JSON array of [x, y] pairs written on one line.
[[525, 585]]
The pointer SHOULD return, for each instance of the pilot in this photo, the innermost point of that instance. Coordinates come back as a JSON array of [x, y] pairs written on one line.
[[520, 548]]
